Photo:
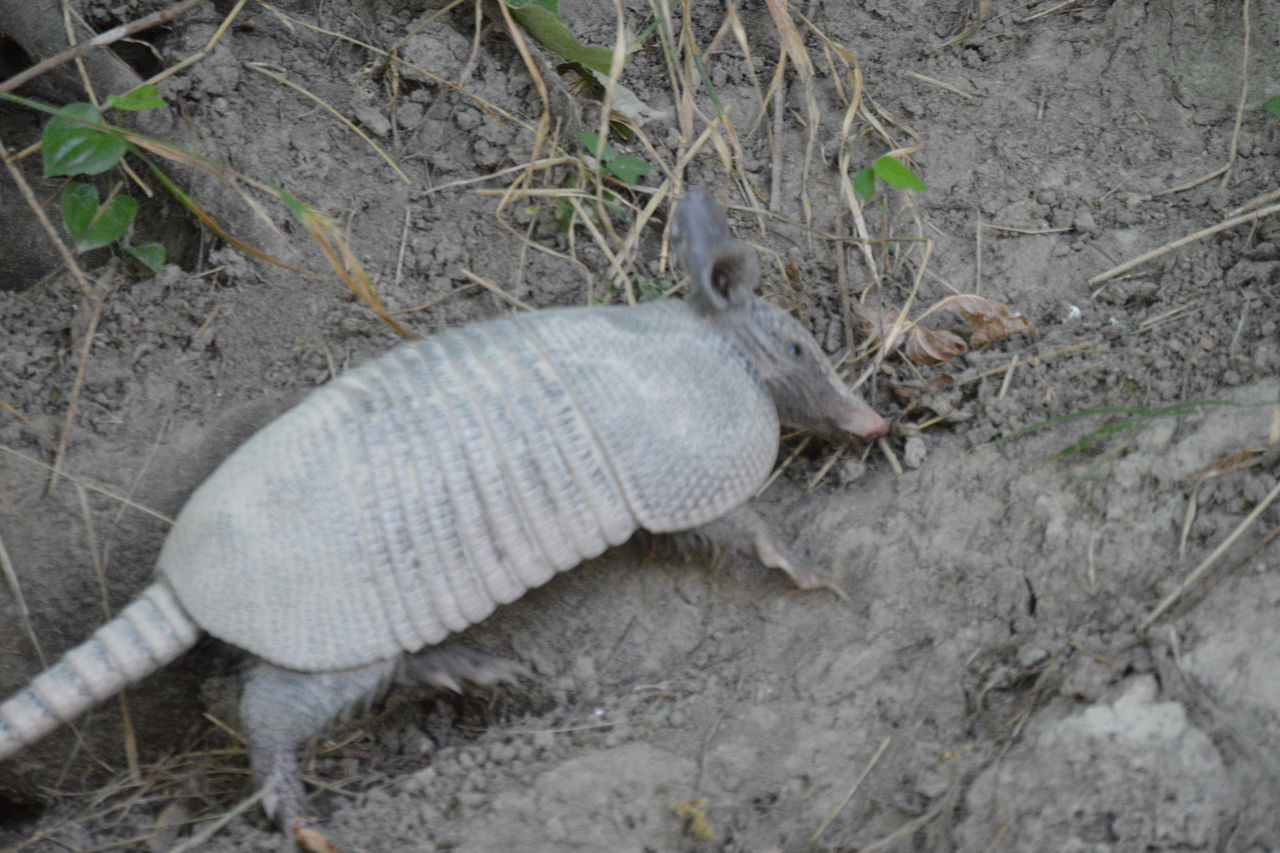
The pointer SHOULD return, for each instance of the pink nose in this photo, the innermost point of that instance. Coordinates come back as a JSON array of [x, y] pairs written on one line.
[[865, 423]]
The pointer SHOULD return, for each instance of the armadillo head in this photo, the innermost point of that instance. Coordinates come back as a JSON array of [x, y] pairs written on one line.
[[805, 389]]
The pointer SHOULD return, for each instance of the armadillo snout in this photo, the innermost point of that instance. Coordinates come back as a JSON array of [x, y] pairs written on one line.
[[862, 420]]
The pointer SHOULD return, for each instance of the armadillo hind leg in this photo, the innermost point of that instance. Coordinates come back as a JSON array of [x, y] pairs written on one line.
[[281, 709], [452, 665], [744, 531]]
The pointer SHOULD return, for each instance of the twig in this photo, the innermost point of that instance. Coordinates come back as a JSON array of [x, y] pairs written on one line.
[[110, 36], [1190, 238], [38, 209], [1265, 198]]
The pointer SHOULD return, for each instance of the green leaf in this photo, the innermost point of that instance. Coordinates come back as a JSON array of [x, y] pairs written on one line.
[[541, 19], [91, 225], [864, 183], [706, 82], [79, 204], [145, 97], [613, 206], [591, 142], [892, 172], [1272, 105], [564, 215], [292, 202], [627, 168], [70, 147], [552, 6], [151, 255]]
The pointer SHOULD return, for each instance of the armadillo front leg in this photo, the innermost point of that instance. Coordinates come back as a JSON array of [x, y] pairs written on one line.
[[742, 530], [281, 709]]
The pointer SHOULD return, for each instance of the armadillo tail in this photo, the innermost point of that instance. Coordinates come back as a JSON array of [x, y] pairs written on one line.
[[151, 631]]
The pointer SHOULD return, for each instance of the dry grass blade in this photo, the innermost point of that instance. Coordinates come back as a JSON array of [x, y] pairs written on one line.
[[24, 612], [793, 45], [1083, 346], [532, 65], [1052, 10], [95, 314], [545, 163], [603, 244], [200, 54], [212, 829], [940, 84], [337, 251], [1221, 575], [1234, 145], [847, 145], [492, 287], [1173, 597], [261, 68], [88, 485], [489, 108], [875, 759], [35, 430], [100, 572], [777, 471], [178, 155]]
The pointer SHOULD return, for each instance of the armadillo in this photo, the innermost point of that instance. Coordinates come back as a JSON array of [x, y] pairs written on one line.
[[410, 497]]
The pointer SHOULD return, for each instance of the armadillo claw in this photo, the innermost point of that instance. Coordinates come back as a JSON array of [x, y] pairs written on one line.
[[774, 556], [453, 666], [806, 579], [312, 840]]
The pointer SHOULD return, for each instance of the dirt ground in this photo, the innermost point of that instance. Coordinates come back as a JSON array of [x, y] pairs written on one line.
[[994, 680]]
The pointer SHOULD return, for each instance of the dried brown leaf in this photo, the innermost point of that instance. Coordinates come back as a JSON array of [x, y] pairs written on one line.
[[793, 273], [170, 820], [988, 320], [1231, 462], [695, 812], [927, 346], [313, 840], [878, 323]]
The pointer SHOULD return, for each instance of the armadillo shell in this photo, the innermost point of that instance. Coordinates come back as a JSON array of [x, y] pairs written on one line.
[[408, 498]]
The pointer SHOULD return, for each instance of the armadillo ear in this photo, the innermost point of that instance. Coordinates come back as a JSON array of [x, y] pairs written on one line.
[[732, 275], [724, 270]]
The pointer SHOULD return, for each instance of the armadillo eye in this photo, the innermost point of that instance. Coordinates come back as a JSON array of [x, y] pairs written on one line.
[[794, 350]]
